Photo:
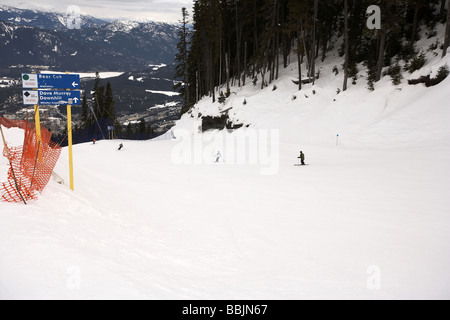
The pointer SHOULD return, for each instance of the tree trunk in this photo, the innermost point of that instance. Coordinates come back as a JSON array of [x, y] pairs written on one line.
[[380, 64], [220, 55], [346, 45], [447, 33], [263, 72], [313, 45], [441, 11], [245, 64], [197, 86], [277, 48], [255, 34], [414, 27], [211, 74], [317, 48], [227, 71], [324, 46], [299, 58], [308, 62], [238, 47]]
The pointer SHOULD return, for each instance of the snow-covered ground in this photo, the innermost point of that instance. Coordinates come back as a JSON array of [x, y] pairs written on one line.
[[166, 93], [157, 66], [368, 218], [162, 106]]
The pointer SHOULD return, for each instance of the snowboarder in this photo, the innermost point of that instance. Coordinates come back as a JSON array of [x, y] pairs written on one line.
[[120, 146], [93, 141], [218, 156], [302, 158]]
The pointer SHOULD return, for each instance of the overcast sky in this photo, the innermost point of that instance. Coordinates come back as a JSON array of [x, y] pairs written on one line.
[[158, 10]]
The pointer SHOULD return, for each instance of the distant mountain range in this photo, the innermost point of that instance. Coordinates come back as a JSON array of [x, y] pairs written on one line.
[[43, 19], [38, 40], [33, 38]]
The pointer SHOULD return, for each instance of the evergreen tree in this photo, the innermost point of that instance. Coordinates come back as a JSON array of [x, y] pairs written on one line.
[[149, 131], [129, 131], [109, 111], [117, 129], [84, 113], [346, 41], [98, 98], [95, 107], [182, 59], [296, 8], [142, 127], [232, 39], [447, 32]]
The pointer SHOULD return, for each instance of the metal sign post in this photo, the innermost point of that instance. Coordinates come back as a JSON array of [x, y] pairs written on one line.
[[111, 132], [37, 122], [69, 136]]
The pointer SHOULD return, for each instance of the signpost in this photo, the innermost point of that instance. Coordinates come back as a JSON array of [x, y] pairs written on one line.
[[111, 132], [49, 90]]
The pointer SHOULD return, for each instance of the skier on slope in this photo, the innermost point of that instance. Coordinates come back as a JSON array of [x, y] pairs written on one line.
[[302, 158], [218, 156], [120, 146]]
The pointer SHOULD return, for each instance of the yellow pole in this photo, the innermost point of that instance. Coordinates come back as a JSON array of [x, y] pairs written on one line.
[[69, 134], [37, 122]]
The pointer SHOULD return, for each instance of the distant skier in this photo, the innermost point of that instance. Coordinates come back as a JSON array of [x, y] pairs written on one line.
[[302, 158], [218, 156], [93, 141], [120, 146]]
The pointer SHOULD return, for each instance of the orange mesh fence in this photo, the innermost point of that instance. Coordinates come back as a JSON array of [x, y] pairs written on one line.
[[31, 164]]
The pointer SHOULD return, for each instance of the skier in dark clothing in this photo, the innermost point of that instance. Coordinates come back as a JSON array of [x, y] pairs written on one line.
[[302, 158], [120, 146]]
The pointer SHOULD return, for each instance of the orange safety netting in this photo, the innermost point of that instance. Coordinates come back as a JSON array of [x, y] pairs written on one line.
[[31, 164]]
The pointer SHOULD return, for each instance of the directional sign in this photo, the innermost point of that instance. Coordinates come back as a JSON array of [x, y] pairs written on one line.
[[30, 97], [59, 81], [51, 81], [52, 98]]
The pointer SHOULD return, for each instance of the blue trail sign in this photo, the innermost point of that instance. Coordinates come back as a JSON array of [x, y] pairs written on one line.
[[52, 98], [51, 81]]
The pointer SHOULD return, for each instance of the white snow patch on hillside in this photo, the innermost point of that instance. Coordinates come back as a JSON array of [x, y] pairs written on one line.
[[156, 67], [161, 106], [103, 75], [166, 93]]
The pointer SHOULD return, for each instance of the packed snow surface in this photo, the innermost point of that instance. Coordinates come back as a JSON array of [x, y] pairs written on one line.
[[368, 218]]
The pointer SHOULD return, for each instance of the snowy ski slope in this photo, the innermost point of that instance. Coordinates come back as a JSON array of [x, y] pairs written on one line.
[[367, 219]]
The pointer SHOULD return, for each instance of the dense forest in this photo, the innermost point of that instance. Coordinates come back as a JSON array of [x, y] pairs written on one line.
[[231, 41]]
